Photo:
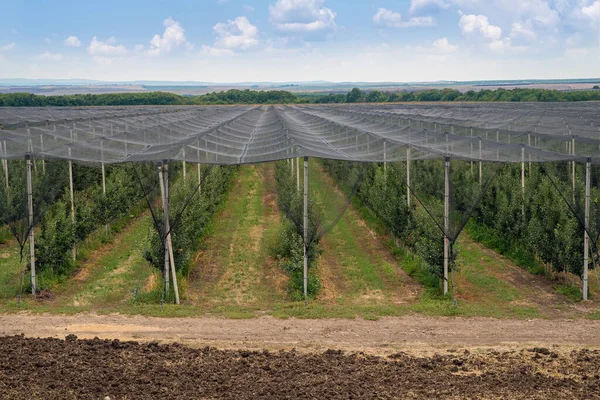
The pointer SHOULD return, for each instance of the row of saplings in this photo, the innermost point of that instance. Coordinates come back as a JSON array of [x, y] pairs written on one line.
[[100, 212], [539, 227]]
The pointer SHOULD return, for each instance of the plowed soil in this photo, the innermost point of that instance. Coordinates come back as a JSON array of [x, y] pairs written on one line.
[[99, 369]]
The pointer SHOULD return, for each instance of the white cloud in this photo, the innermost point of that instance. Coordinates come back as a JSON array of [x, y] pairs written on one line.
[[8, 47], [48, 56], [539, 11], [523, 30], [47, 40], [470, 24], [99, 48], [301, 16], [236, 34], [215, 52], [248, 8], [505, 46], [592, 11], [443, 46], [72, 41], [174, 36], [416, 5], [393, 19]]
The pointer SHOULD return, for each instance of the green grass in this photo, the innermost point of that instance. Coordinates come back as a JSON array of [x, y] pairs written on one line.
[[512, 251], [571, 291]]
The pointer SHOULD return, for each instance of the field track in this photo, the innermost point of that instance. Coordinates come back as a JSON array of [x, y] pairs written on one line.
[[412, 333]]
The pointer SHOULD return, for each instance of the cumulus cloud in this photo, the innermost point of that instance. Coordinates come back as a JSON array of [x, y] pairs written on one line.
[[416, 5], [537, 10], [523, 30], [173, 36], [48, 56], [72, 41], [301, 16], [236, 34], [99, 48], [479, 24], [443, 46], [394, 19], [592, 11], [8, 47]]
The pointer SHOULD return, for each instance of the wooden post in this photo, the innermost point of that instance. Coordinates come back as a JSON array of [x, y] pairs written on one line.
[[305, 271], [446, 222], [31, 235], [586, 236]]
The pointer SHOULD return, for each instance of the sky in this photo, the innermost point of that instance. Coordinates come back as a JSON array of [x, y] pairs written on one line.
[[300, 40]]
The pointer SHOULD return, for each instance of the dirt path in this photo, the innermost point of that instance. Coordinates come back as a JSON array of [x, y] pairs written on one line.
[[355, 261], [235, 267], [488, 278], [414, 334]]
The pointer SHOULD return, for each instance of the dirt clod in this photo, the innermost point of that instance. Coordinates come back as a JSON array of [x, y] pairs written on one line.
[[96, 368]]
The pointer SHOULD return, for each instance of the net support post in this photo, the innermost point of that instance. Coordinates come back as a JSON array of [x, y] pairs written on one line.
[[72, 195], [408, 176], [298, 174], [586, 237], [480, 163], [31, 234], [169, 257], [103, 179], [446, 221], [5, 166], [161, 179], [385, 160], [523, 180], [305, 227]]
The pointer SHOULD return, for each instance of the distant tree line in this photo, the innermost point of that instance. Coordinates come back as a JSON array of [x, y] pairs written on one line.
[[247, 96]]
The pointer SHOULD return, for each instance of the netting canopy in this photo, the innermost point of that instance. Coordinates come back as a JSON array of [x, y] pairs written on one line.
[[495, 132]]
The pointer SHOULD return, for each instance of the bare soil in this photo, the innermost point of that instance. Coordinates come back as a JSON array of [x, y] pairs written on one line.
[[99, 369], [415, 334]]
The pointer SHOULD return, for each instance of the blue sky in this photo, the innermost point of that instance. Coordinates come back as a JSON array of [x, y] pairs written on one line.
[[300, 40]]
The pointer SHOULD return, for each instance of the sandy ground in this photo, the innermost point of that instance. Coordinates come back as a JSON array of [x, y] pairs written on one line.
[[413, 334]]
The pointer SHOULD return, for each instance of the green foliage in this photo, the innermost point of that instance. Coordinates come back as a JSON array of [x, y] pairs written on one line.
[[189, 214], [247, 96]]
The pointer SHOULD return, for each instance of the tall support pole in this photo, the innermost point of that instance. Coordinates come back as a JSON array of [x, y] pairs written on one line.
[[103, 178], [199, 170], [292, 167], [523, 180], [161, 178], [446, 222], [305, 230], [72, 193], [184, 167], [5, 164], [169, 237], [385, 159], [42, 148], [298, 174], [573, 167], [408, 177], [31, 235], [586, 237], [480, 164]]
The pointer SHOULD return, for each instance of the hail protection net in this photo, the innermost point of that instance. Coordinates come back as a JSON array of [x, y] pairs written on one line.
[[251, 134]]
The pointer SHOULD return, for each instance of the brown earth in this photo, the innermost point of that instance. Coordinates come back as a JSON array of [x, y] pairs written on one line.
[[111, 369], [413, 333]]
